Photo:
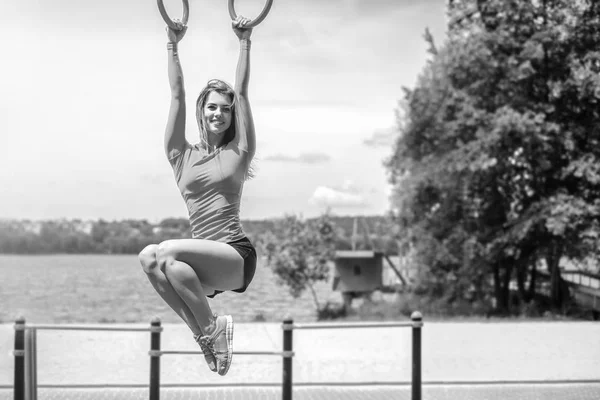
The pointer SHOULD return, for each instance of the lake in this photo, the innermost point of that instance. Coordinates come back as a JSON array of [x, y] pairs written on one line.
[[113, 288]]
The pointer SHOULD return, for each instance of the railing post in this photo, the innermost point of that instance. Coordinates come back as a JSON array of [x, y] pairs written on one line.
[[155, 329], [288, 332], [28, 364], [417, 320], [33, 365], [19, 354]]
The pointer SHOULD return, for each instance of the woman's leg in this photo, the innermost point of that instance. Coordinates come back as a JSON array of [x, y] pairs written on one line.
[[192, 265], [162, 286]]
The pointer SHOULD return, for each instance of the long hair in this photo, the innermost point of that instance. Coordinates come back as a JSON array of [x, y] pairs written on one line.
[[216, 85]]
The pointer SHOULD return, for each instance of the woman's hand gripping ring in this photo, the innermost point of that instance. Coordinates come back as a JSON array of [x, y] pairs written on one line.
[[171, 23], [255, 21]]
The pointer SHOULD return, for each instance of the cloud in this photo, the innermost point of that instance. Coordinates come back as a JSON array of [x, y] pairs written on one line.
[[382, 138], [329, 197], [304, 158], [349, 187]]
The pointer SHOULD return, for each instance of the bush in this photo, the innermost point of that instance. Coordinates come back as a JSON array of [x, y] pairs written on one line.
[[331, 311]]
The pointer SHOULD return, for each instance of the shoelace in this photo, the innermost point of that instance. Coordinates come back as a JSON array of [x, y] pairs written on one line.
[[210, 345], [203, 346], [202, 342]]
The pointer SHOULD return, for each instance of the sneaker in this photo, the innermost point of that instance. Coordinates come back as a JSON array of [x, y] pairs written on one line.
[[208, 355], [220, 343]]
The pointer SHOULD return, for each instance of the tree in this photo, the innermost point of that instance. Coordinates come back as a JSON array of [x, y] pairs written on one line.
[[496, 164], [300, 256]]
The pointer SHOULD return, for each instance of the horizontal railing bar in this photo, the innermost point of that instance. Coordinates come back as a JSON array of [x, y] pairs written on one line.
[[180, 352], [85, 328], [331, 325], [583, 273], [239, 353], [262, 353], [515, 382]]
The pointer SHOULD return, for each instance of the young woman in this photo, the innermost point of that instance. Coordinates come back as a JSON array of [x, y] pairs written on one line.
[[210, 176]]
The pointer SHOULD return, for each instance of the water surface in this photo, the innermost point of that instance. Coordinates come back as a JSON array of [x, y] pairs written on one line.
[[113, 288]]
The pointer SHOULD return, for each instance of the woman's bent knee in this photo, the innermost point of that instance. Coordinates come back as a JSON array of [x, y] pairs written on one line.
[[168, 263], [166, 253], [148, 258], [165, 250]]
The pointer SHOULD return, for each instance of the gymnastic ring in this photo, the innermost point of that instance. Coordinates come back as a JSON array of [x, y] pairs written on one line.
[[255, 21], [168, 20]]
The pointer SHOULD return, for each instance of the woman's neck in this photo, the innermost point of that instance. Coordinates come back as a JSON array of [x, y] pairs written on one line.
[[213, 143]]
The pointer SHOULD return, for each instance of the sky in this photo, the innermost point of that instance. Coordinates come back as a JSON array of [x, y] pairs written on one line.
[[84, 98]]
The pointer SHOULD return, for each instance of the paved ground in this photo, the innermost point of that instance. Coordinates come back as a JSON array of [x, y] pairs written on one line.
[[451, 392]]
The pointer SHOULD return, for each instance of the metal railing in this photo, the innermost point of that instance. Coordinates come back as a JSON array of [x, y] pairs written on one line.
[[585, 287], [25, 352], [582, 278]]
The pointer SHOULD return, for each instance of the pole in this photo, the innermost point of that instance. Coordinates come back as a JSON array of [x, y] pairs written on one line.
[[33, 369], [155, 329], [288, 332], [28, 364], [417, 320], [19, 354]]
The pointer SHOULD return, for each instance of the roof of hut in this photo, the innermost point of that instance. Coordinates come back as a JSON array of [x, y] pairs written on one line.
[[357, 254]]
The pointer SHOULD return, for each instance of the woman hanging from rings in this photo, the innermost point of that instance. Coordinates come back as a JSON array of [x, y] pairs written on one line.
[[210, 176]]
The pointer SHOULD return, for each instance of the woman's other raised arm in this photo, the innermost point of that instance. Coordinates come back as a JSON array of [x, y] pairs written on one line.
[[175, 131], [247, 138]]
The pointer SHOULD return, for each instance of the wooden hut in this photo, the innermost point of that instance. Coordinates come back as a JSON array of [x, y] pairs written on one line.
[[357, 273]]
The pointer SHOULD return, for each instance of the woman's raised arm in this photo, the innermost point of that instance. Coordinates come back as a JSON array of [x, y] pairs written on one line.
[[247, 137], [175, 130]]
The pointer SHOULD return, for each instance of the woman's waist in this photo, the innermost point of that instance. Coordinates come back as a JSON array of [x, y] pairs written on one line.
[[223, 236], [216, 226]]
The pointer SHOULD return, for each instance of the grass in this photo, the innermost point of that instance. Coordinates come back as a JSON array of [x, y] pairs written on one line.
[[399, 306]]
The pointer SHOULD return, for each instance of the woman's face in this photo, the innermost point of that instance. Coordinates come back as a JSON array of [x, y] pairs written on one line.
[[217, 113]]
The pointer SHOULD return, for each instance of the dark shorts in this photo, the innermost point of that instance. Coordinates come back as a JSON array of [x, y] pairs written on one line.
[[245, 248]]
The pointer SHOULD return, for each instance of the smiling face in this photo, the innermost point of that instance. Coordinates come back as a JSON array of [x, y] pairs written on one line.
[[217, 113]]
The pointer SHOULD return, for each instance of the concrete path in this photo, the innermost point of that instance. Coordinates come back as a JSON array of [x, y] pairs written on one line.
[[483, 392]]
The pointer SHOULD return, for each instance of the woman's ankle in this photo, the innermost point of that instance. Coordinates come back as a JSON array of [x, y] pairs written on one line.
[[211, 327]]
